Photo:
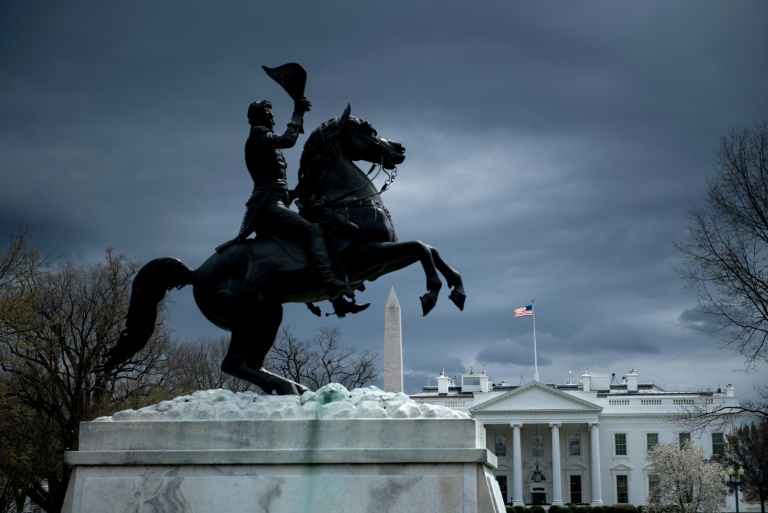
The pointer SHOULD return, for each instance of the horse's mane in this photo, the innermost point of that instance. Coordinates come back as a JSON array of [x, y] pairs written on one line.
[[319, 152]]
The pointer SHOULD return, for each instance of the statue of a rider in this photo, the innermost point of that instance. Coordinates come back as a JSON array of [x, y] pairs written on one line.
[[267, 210]]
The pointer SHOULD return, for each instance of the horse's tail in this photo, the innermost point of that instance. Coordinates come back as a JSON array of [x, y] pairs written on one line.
[[149, 288]]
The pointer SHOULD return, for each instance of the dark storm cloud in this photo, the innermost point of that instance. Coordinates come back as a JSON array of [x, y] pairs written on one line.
[[510, 351], [695, 320], [553, 152]]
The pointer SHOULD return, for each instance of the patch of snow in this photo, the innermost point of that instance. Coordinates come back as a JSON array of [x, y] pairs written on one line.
[[332, 401]]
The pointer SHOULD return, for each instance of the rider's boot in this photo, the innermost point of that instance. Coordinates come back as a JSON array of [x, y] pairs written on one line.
[[319, 250], [342, 307]]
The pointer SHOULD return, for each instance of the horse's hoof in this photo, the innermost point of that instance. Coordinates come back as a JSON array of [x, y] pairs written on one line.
[[294, 389], [458, 299], [314, 309], [428, 302]]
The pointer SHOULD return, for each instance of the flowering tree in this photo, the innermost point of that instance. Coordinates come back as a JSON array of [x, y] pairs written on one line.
[[685, 481]]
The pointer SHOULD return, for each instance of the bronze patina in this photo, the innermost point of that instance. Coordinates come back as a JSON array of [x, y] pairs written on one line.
[[242, 287]]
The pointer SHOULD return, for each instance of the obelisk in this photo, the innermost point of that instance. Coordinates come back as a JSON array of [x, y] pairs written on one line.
[[393, 345]]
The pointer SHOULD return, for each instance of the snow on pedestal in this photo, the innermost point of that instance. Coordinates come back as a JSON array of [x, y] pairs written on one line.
[[333, 450]]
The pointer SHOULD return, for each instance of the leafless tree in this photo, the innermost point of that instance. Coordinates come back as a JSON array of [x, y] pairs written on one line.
[[196, 365], [717, 414], [55, 327], [747, 447], [725, 248], [725, 254], [321, 360]]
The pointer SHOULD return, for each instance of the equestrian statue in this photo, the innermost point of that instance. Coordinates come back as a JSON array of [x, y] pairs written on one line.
[[342, 236]]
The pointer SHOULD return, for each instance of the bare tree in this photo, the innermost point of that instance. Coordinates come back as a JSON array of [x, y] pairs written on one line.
[[725, 248], [725, 253], [684, 480], [747, 447], [55, 327], [321, 360], [20, 267], [712, 413], [196, 365]]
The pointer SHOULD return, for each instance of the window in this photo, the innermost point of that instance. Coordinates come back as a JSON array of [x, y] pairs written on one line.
[[622, 489], [718, 444], [620, 444], [651, 441], [502, 480], [653, 483], [574, 444], [576, 489], [684, 438], [501, 445], [537, 445]]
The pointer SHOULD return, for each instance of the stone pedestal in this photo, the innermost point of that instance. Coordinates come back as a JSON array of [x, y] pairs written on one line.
[[341, 464]]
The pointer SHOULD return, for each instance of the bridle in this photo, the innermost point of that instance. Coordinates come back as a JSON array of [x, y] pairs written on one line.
[[361, 202]]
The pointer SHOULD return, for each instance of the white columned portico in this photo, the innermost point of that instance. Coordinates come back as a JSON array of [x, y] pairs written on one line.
[[594, 453], [557, 487], [517, 464]]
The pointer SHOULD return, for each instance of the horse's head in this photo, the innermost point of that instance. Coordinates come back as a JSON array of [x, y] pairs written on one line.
[[362, 142], [355, 139], [329, 155]]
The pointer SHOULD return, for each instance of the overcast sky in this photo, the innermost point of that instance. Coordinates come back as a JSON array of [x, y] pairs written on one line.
[[553, 151]]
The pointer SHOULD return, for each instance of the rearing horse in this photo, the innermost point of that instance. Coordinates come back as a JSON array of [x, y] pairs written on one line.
[[243, 288]]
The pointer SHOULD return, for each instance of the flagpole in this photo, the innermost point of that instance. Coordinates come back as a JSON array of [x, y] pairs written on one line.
[[535, 357]]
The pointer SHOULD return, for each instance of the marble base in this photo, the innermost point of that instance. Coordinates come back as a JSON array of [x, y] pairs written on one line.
[[405, 465]]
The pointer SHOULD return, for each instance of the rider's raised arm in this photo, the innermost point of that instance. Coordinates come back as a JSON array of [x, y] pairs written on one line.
[[287, 139], [295, 127]]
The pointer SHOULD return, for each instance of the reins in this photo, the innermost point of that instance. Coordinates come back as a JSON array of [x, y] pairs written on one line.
[[337, 202]]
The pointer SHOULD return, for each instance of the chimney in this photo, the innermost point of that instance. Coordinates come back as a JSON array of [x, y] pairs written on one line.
[[585, 381], [632, 381], [730, 391], [484, 383], [443, 382]]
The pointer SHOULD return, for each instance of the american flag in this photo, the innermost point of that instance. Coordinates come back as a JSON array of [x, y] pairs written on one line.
[[524, 311]]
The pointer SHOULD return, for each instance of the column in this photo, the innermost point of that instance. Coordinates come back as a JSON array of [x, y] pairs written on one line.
[[557, 486], [517, 464], [594, 456]]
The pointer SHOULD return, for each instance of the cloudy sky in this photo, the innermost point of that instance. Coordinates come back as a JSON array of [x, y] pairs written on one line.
[[553, 151]]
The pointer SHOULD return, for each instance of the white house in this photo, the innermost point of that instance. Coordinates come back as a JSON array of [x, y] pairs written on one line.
[[580, 442]]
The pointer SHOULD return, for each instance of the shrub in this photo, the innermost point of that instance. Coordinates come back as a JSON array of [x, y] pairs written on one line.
[[537, 509], [556, 509]]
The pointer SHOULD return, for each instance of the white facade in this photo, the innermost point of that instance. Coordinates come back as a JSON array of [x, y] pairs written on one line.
[[578, 443]]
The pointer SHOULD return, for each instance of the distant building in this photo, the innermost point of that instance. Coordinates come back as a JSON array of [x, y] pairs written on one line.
[[582, 442]]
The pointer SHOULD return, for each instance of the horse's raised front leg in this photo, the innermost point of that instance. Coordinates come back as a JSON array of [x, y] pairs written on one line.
[[250, 343], [452, 277], [384, 257]]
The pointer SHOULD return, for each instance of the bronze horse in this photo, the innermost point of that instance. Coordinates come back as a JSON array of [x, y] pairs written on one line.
[[242, 289]]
